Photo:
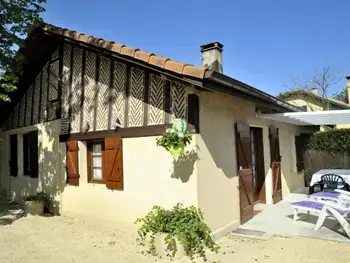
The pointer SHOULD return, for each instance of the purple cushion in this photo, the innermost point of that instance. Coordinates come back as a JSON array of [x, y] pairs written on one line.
[[313, 205], [326, 194]]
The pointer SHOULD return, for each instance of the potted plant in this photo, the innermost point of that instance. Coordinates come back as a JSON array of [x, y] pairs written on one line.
[[35, 204], [176, 232], [175, 139]]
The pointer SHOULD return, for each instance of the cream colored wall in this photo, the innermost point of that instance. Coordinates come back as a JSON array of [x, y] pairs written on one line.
[[51, 164], [218, 195], [149, 179]]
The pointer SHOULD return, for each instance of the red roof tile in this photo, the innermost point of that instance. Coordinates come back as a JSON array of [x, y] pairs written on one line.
[[150, 58]]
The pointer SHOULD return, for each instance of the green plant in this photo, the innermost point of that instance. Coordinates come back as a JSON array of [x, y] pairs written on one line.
[[334, 140], [173, 139], [40, 197], [183, 223]]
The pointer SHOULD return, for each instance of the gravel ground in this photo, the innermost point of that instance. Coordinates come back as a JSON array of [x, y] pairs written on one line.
[[64, 239]]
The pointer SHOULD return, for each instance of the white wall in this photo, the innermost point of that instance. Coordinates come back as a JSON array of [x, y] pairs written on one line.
[[148, 181], [51, 164]]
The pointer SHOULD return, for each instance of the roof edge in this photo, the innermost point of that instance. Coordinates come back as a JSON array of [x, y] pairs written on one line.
[[249, 90]]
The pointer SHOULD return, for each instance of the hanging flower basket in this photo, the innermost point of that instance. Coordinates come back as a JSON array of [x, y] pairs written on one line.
[[177, 150], [174, 140]]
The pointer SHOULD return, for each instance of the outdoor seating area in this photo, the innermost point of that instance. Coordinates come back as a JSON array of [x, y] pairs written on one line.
[[332, 201]]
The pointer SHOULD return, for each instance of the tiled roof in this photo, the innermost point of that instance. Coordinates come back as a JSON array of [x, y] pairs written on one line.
[[150, 58]]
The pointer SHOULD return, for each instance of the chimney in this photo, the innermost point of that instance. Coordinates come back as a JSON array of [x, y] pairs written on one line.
[[314, 91], [348, 88], [212, 56]]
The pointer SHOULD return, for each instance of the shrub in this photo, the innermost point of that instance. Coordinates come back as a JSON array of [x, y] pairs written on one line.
[[334, 140], [184, 223]]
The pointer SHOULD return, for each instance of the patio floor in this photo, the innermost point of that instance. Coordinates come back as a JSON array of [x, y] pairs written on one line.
[[278, 220]]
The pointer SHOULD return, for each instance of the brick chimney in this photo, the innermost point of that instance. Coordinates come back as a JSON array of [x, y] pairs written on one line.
[[348, 87], [212, 56]]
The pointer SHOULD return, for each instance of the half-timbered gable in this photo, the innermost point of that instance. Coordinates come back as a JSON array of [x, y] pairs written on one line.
[[91, 91]]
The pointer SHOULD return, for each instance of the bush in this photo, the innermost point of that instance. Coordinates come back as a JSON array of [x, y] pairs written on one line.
[[184, 223], [334, 141]]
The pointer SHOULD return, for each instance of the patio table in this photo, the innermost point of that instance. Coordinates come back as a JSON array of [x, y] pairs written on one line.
[[316, 177]]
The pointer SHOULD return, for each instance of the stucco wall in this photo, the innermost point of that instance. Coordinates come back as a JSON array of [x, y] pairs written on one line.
[[51, 164], [150, 178], [217, 168]]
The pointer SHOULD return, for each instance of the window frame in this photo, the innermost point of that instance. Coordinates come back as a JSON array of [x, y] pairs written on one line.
[[90, 167], [26, 147]]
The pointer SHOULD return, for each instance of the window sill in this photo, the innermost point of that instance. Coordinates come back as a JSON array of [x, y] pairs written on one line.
[[92, 181]]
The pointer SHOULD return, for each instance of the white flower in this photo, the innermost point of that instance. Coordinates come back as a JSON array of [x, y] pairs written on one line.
[[168, 130], [181, 135], [172, 130]]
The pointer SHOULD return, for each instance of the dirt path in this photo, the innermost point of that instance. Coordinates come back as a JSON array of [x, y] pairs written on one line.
[[62, 239]]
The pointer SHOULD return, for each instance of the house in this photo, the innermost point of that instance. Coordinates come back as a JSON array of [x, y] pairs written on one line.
[[83, 122], [312, 101]]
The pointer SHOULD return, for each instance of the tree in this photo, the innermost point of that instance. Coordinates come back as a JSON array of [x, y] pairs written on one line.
[[17, 19], [314, 89]]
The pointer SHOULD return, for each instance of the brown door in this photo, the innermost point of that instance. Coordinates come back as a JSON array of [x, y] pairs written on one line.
[[275, 165], [258, 165], [245, 175]]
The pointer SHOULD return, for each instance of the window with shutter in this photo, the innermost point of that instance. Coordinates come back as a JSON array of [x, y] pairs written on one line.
[[13, 155], [72, 167], [30, 154]]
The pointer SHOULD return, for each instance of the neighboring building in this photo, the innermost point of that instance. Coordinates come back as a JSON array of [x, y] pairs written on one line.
[[312, 101], [82, 127]]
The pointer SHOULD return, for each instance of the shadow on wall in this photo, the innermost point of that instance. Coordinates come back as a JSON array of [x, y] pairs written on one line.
[[183, 166], [217, 133], [51, 162]]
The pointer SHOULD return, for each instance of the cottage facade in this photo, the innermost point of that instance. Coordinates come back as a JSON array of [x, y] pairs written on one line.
[[82, 127]]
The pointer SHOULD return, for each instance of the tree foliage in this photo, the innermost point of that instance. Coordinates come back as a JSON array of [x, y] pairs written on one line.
[[17, 19]]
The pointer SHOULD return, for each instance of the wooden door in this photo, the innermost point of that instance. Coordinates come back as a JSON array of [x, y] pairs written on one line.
[[275, 165], [245, 174]]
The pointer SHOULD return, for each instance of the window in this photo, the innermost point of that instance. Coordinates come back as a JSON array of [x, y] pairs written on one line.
[[30, 154], [105, 162], [95, 162]]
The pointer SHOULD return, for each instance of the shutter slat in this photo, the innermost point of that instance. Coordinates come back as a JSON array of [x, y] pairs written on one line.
[[34, 160], [72, 167], [113, 163]]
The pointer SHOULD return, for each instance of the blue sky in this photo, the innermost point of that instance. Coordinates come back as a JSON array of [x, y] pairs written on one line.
[[265, 42]]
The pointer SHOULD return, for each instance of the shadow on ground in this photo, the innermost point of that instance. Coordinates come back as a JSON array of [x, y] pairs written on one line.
[[9, 213]]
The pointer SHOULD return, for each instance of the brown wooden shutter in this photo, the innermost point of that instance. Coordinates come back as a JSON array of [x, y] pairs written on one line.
[[274, 145], [300, 145], [245, 173], [244, 151], [275, 165], [13, 155], [34, 159], [113, 163], [72, 165]]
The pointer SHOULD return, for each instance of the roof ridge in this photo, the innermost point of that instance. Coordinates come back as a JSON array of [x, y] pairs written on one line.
[[136, 53]]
